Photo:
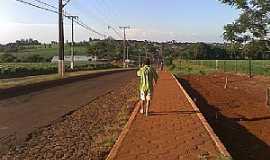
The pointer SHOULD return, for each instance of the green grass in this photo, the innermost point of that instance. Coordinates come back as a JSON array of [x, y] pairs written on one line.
[[49, 52], [187, 67], [15, 70], [184, 67]]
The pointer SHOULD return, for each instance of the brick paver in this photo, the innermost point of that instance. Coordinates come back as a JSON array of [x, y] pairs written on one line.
[[172, 132]]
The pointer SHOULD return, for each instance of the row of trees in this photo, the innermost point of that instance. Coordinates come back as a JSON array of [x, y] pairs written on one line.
[[113, 49], [19, 45], [253, 50]]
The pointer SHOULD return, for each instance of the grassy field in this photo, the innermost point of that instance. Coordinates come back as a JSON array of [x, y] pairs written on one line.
[[256, 67], [48, 53], [15, 70]]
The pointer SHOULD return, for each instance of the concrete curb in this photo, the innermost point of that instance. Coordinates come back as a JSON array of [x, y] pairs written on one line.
[[123, 134], [209, 129]]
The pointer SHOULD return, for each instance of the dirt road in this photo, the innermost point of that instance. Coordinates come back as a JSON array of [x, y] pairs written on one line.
[[20, 115]]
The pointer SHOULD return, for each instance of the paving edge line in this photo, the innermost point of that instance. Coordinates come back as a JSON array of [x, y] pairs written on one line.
[[209, 129], [123, 134]]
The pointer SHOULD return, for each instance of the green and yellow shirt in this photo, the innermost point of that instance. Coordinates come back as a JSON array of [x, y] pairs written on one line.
[[147, 75]]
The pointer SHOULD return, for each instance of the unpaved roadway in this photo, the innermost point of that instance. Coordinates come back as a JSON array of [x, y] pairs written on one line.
[[21, 115]]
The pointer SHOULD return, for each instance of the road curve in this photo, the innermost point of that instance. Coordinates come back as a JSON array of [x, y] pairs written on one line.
[[21, 115]]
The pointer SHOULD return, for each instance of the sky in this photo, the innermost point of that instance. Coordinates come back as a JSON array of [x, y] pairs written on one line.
[[153, 20]]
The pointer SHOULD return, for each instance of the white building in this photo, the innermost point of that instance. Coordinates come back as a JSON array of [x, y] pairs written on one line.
[[76, 59]]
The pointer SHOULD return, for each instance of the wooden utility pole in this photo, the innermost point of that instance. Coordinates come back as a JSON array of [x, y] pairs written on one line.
[[124, 43], [145, 50], [61, 67], [72, 37]]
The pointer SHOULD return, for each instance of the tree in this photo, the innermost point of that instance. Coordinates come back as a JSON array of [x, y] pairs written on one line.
[[254, 20], [255, 49], [200, 50]]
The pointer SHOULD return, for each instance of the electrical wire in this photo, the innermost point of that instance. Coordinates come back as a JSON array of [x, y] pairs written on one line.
[[46, 4], [78, 21]]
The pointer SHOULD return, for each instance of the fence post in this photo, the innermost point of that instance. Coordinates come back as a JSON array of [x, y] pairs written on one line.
[[236, 69], [224, 65], [250, 68], [268, 96]]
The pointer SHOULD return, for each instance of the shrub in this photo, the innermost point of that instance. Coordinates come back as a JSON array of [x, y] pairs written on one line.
[[7, 58]]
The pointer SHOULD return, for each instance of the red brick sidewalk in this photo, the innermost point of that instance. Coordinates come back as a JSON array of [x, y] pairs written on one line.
[[172, 132]]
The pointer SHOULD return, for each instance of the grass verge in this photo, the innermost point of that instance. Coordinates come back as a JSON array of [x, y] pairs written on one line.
[[15, 82]]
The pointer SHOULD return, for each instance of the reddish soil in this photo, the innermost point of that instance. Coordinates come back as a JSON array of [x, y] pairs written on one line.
[[173, 130], [239, 114], [21, 115], [87, 133]]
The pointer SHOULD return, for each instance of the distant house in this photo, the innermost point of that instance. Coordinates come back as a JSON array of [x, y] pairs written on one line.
[[76, 58]]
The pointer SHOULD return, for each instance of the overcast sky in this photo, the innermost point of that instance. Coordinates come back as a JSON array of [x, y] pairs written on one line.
[[155, 20]]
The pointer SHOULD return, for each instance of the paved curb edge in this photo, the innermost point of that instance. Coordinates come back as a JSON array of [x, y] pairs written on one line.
[[209, 129], [123, 134]]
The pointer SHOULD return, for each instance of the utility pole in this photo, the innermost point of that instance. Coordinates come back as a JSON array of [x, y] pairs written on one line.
[[161, 54], [140, 59], [124, 43], [145, 50], [61, 67], [72, 44], [127, 57]]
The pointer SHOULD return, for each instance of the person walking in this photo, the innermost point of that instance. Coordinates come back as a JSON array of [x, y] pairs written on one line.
[[161, 65], [148, 78]]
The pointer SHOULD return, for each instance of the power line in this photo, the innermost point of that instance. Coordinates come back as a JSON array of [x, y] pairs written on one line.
[[46, 4], [97, 17], [110, 8], [103, 13], [100, 17], [79, 22], [37, 6], [110, 27], [67, 1], [52, 6]]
